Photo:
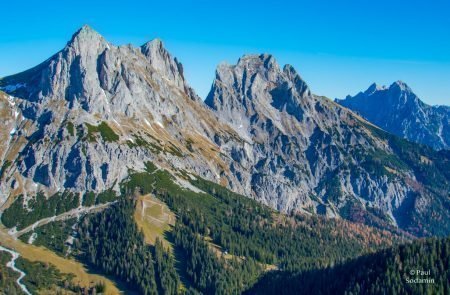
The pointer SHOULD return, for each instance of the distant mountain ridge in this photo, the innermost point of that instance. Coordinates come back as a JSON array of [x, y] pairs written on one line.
[[398, 110]]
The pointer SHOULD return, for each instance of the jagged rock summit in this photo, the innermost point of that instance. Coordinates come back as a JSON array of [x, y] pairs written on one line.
[[398, 110], [240, 92], [93, 113], [306, 152]]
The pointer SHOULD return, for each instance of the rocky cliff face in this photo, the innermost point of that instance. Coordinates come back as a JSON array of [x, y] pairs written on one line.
[[11, 117], [93, 112], [304, 151], [398, 110]]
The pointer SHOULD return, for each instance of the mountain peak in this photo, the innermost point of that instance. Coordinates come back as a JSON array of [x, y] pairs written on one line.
[[400, 111], [300, 85], [86, 29], [373, 88], [257, 61], [248, 65], [85, 33], [400, 85], [87, 42], [250, 58], [155, 44], [162, 61]]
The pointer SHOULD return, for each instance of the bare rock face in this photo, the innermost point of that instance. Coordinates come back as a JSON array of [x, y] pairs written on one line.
[[92, 113], [161, 61], [95, 105], [398, 110], [306, 152], [9, 124]]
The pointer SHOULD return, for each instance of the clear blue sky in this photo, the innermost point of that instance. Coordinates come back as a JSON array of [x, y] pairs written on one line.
[[339, 47]]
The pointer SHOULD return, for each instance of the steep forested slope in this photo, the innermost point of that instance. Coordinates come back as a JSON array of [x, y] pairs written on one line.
[[422, 267], [222, 241]]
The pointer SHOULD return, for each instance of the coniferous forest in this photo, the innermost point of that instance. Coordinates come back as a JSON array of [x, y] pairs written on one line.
[[421, 267], [224, 243], [260, 251], [111, 242]]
